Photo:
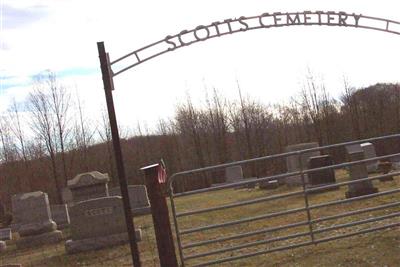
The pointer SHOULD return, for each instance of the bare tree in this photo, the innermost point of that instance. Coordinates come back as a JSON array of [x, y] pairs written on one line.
[[19, 134], [84, 131], [43, 124]]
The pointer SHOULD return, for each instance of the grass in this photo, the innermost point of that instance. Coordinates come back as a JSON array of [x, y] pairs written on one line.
[[381, 248]]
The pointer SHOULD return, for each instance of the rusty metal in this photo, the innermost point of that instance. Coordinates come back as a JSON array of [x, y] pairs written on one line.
[[155, 179], [108, 87], [242, 24]]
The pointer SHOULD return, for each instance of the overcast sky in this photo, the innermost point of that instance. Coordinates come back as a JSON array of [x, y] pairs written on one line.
[[270, 64]]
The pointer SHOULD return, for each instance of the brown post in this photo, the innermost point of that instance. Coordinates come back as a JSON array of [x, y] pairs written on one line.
[[155, 177], [108, 88]]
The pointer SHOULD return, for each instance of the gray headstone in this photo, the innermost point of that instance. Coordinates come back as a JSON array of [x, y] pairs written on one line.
[[233, 174], [3, 246], [89, 185], [321, 177], [395, 161], [272, 184], [66, 195], [294, 162], [5, 234], [60, 215], [138, 198], [31, 212], [359, 171], [369, 152], [353, 148], [97, 223]]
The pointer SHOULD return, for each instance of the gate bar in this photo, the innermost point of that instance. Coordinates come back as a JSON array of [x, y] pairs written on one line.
[[354, 212], [255, 218], [317, 231], [252, 244], [263, 199], [388, 192], [266, 230], [368, 230], [263, 231], [305, 195], [344, 225], [279, 176], [286, 212]]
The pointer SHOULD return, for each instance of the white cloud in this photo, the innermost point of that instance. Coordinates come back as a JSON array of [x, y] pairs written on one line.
[[270, 64]]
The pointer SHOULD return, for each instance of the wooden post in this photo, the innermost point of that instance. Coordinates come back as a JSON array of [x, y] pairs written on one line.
[[155, 177]]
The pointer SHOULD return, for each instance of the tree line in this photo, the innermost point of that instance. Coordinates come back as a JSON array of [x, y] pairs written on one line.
[[63, 141]]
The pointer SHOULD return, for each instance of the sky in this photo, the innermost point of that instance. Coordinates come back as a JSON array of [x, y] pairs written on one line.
[[270, 65]]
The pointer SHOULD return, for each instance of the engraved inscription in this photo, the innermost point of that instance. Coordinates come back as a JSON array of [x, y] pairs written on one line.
[[99, 211]]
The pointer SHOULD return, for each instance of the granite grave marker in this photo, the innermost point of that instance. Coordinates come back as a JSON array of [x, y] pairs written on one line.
[[359, 171], [97, 223], [31, 212]]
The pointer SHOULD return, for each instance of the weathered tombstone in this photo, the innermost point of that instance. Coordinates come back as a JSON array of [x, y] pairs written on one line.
[[89, 185], [5, 234], [321, 177], [32, 214], [353, 148], [59, 214], [3, 246], [294, 162], [233, 174], [66, 195], [138, 198], [395, 162], [2, 211], [272, 184], [359, 171], [96, 224], [251, 185], [385, 167], [369, 152]]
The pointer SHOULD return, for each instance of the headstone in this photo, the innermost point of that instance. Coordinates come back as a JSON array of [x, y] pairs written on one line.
[[369, 152], [272, 184], [359, 171], [385, 167], [233, 174], [251, 185], [353, 148], [60, 215], [2, 212], [294, 162], [5, 234], [97, 223], [3, 246], [395, 162], [88, 185], [321, 177], [66, 195], [138, 198], [32, 214]]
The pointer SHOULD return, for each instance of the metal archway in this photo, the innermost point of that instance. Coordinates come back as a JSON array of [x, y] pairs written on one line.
[[242, 24], [170, 43]]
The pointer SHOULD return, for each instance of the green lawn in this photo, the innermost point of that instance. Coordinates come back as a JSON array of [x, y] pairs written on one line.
[[380, 248]]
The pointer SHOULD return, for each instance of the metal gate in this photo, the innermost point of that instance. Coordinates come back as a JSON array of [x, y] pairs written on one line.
[[217, 236]]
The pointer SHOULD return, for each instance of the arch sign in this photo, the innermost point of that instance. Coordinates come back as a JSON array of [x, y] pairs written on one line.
[[242, 24], [110, 69]]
